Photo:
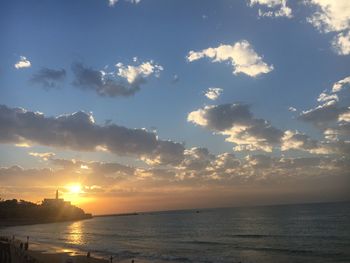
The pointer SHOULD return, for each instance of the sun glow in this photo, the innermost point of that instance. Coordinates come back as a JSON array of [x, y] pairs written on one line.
[[75, 193], [75, 189]]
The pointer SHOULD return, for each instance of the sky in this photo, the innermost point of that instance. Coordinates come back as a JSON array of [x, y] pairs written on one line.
[[143, 105]]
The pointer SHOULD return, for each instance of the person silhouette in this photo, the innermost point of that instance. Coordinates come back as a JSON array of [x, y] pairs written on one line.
[[26, 245]]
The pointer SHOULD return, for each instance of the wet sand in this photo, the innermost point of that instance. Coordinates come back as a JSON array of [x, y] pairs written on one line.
[[39, 253]]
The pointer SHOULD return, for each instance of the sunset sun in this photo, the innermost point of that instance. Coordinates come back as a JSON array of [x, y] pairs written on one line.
[[75, 189]]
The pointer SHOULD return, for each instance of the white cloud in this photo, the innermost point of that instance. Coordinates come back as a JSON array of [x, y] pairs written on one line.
[[292, 109], [213, 93], [22, 63], [331, 15], [345, 116], [44, 156], [241, 54], [273, 8], [197, 117], [299, 141], [339, 85], [135, 73], [113, 2], [327, 97], [341, 43]]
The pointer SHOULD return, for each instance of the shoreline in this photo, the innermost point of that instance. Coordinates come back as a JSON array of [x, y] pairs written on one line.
[[42, 253]]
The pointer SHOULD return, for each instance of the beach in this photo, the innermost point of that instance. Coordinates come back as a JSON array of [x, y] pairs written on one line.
[[41, 253]]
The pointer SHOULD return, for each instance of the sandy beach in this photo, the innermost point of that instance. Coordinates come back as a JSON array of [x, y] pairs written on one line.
[[41, 253]]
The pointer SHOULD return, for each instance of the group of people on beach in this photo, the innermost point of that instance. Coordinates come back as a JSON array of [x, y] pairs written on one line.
[[10, 251], [5, 251]]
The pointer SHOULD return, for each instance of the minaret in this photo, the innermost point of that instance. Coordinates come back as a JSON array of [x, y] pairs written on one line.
[[57, 194]]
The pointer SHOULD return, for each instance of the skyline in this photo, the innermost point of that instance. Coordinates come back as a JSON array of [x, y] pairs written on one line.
[[125, 106]]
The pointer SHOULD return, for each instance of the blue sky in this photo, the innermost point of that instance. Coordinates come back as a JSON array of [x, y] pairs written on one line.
[[58, 34]]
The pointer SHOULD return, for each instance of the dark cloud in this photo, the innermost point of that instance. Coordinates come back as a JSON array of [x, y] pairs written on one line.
[[224, 116], [197, 159], [126, 81], [49, 78], [335, 103], [78, 131], [323, 115], [88, 78], [238, 123]]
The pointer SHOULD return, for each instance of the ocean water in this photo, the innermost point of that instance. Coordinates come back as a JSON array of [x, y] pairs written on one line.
[[287, 233]]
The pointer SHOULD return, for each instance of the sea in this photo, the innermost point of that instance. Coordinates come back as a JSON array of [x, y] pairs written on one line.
[[282, 233]]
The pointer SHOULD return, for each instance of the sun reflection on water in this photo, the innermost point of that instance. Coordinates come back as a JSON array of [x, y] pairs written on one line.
[[75, 233]]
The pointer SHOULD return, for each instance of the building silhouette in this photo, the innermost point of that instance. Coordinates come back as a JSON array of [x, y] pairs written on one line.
[[58, 202]]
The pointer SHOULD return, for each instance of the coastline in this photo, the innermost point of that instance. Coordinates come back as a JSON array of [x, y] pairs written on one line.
[[42, 253]]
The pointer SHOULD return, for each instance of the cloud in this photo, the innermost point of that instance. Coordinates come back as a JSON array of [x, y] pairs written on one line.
[[78, 131], [341, 84], [292, 109], [241, 55], [330, 15], [126, 81], [341, 43], [213, 93], [196, 159], [322, 115], [93, 168], [247, 133], [333, 16], [334, 104], [345, 116], [323, 97], [113, 2], [223, 172], [48, 78], [22, 63], [175, 79], [237, 123], [137, 74], [332, 117], [134, 1], [272, 8], [44, 156], [293, 140]]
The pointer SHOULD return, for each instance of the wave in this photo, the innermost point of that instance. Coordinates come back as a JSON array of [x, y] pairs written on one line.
[[289, 236], [201, 242]]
